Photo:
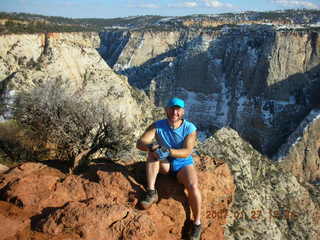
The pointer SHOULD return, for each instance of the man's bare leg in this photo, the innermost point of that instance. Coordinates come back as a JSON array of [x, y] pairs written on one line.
[[188, 177], [152, 170], [153, 167], [164, 167]]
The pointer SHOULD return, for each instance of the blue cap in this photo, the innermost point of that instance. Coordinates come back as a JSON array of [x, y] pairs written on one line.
[[176, 102]]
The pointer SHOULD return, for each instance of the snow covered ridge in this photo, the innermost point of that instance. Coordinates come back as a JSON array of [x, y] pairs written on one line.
[[296, 26], [275, 26], [296, 136]]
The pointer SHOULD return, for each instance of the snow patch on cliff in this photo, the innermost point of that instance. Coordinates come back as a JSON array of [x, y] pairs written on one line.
[[253, 56], [223, 105], [207, 110], [296, 136], [242, 102], [9, 98], [141, 43], [217, 61], [270, 107]]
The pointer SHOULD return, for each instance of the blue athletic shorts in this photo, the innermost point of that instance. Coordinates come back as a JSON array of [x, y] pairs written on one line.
[[177, 164]]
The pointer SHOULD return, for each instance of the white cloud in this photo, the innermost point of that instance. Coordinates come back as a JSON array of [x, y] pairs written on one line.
[[296, 3], [217, 4], [184, 5], [190, 4]]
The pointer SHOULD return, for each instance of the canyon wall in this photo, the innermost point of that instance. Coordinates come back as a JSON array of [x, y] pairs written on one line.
[[27, 61], [260, 81]]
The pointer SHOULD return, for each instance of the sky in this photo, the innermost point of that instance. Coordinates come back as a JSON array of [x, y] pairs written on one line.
[[126, 8]]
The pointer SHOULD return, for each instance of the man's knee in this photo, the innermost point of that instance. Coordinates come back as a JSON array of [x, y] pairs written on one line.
[[152, 159], [164, 167], [192, 187]]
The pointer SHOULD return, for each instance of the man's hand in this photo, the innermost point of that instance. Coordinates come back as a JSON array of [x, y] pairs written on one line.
[[162, 153]]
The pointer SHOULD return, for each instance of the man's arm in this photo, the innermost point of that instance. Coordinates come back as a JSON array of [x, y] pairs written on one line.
[[145, 140], [188, 146]]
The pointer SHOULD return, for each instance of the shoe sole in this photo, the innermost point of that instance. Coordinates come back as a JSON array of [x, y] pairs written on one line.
[[146, 206]]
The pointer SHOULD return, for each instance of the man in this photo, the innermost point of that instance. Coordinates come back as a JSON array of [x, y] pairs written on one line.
[[172, 155]]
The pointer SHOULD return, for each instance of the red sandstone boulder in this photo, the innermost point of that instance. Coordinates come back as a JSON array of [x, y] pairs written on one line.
[[102, 203], [12, 220], [34, 186]]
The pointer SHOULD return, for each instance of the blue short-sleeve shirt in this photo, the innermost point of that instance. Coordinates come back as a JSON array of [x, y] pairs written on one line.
[[174, 138]]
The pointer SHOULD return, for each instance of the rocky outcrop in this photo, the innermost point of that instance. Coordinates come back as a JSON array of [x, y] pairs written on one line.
[[103, 202], [301, 154], [260, 81], [245, 196], [14, 221], [30, 60], [268, 203], [3, 168]]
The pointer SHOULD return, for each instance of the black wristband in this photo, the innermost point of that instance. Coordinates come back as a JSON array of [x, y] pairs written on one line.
[[150, 147]]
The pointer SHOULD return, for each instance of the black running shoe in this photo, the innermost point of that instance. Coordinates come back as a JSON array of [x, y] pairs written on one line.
[[195, 232], [150, 197]]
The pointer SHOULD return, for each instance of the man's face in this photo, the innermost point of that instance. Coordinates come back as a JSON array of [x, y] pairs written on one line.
[[174, 113]]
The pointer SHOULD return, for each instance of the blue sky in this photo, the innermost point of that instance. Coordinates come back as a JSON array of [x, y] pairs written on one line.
[[124, 8]]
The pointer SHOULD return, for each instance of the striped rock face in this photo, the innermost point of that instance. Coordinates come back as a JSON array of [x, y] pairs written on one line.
[[26, 61], [253, 78]]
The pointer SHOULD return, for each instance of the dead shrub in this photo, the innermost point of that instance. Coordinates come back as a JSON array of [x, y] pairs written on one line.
[[77, 127]]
